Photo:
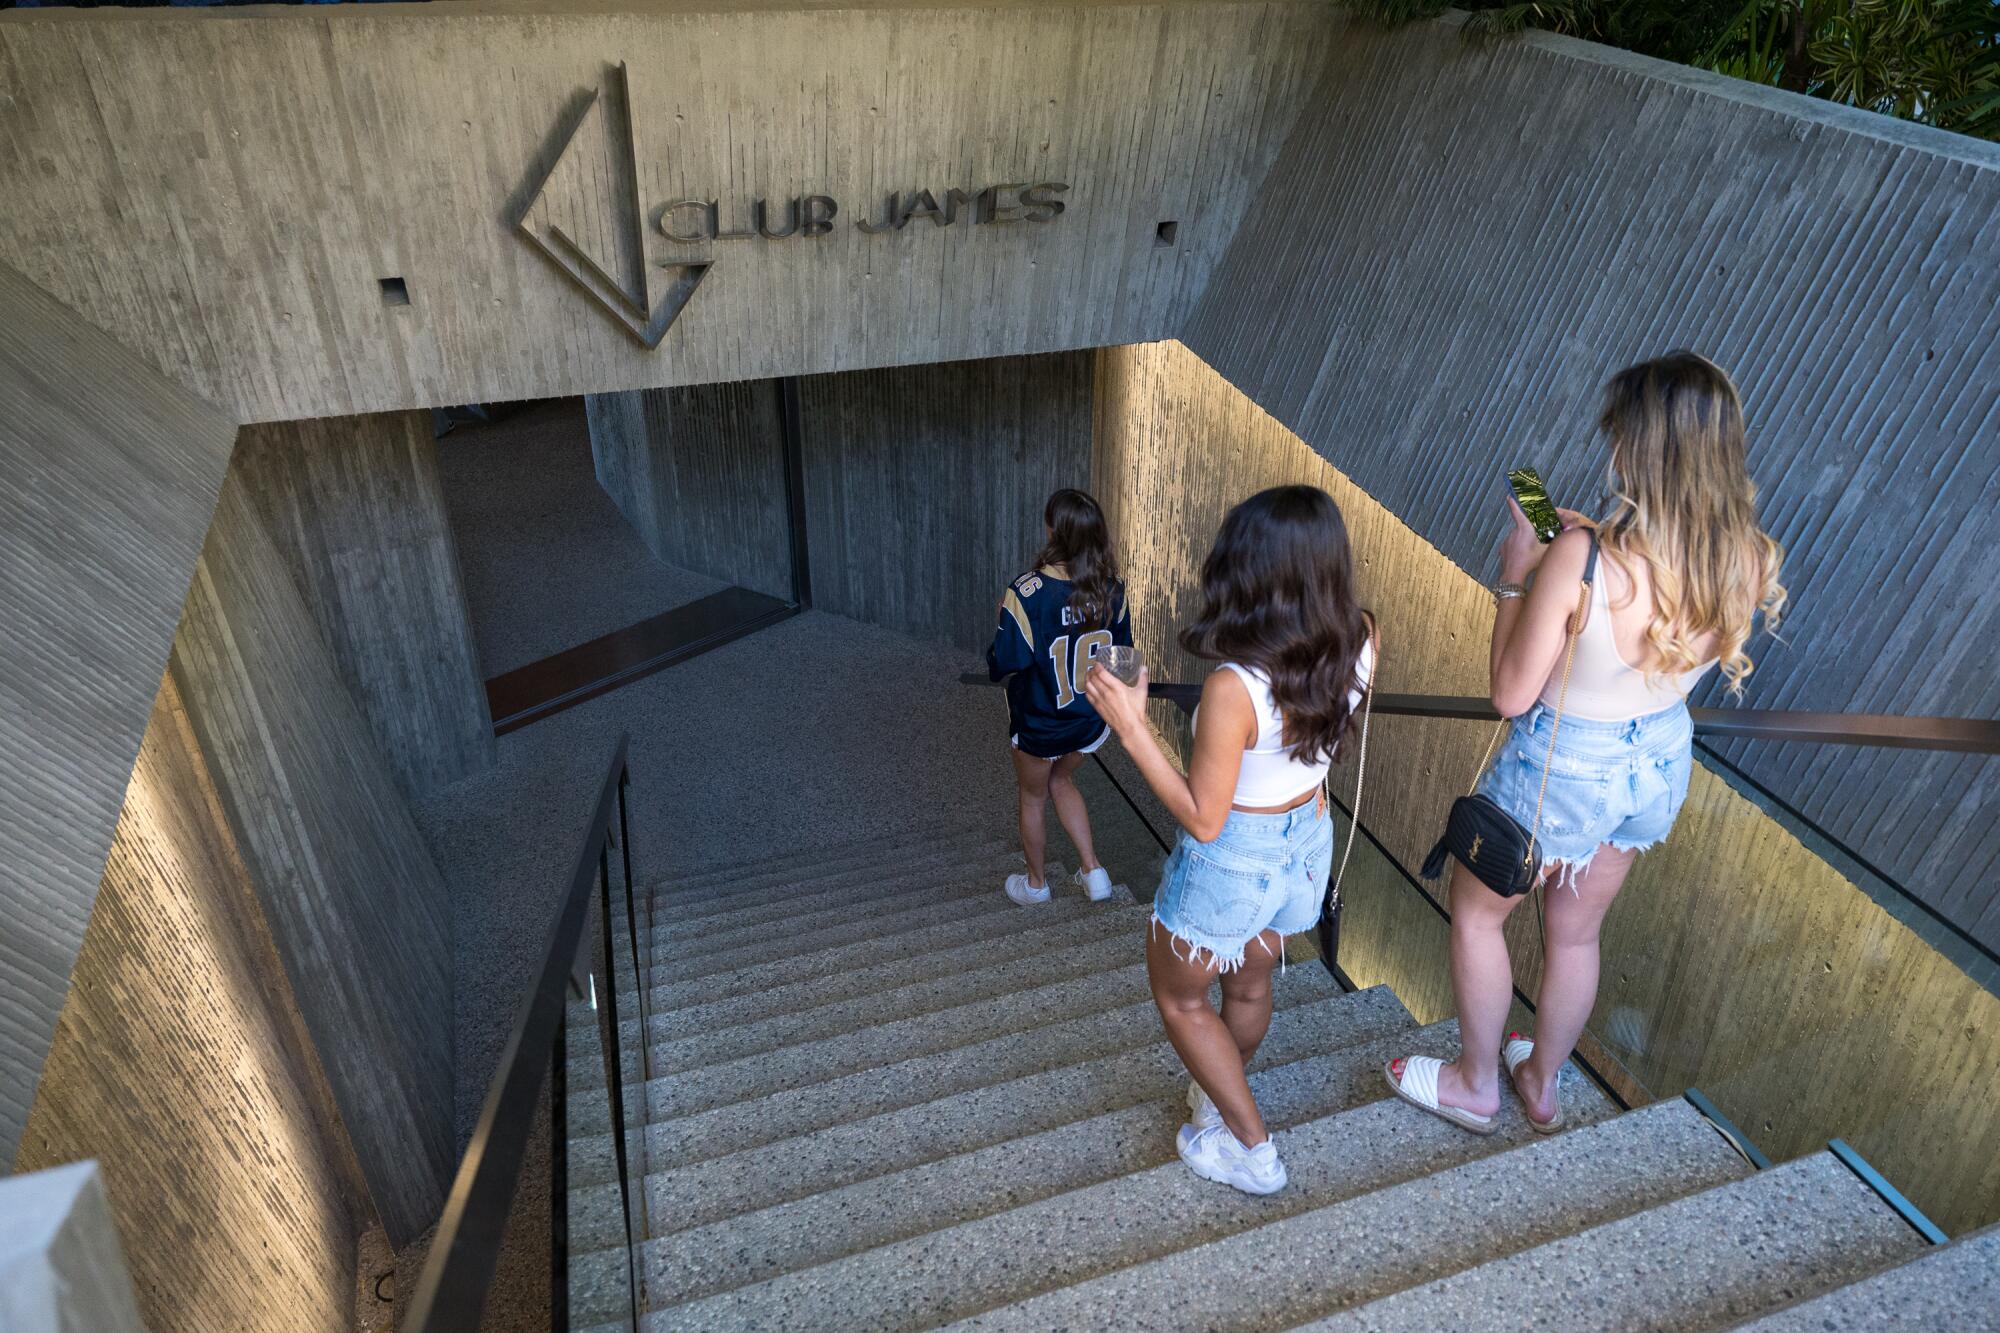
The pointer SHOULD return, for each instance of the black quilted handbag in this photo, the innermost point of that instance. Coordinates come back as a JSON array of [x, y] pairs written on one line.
[[1481, 836]]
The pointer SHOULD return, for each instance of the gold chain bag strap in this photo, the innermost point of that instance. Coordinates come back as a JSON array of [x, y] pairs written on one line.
[[1329, 916], [1481, 836]]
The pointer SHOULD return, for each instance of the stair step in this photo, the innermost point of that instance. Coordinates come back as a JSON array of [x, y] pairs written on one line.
[[750, 1246], [1700, 1262], [825, 857], [724, 1185], [1313, 1263], [1955, 1286], [815, 1060], [1085, 1151], [993, 982], [713, 1075], [1102, 1227], [908, 980], [681, 1128], [831, 930], [701, 1065], [676, 989], [874, 895], [678, 914]]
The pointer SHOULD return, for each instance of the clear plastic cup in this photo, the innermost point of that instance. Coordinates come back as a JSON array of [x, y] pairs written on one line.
[[1121, 661]]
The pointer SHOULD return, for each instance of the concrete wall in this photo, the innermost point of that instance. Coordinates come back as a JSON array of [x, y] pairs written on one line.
[[110, 472], [1734, 958], [357, 909], [355, 507], [925, 486], [179, 1065], [1495, 229], [227, 191], [700, 473]]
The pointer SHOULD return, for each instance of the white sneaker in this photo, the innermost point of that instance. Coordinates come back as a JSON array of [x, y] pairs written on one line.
[[1215, 1154], [1096, 884], [1024, 893], [1206, 1115]]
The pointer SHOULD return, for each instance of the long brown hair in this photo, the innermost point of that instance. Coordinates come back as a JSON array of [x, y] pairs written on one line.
[[1278, 595], [1080, 541], [1684, 504]]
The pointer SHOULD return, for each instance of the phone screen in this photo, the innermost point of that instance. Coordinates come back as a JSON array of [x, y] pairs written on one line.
[[1534, 498]]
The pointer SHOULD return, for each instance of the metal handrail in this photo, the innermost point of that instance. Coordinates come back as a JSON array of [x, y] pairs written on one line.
[[1967, 735], [451, 1291]]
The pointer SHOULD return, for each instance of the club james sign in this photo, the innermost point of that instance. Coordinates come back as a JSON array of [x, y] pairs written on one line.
[[693, 221], [646, 296]]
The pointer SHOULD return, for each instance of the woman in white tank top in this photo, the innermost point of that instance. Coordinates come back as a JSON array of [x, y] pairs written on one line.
[[1280, 617], [1683, 571]]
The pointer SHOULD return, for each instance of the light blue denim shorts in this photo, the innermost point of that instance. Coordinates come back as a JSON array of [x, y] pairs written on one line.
[[1610, 783], [1262, 872]]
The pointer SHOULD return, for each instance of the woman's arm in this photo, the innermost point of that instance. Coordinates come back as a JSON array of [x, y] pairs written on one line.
[[1529, 632], [1200, 800]]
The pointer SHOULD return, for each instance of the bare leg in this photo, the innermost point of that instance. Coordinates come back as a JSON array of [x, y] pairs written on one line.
[[1033, 775], [1246, 994], [1206, 1045], [1482, 979], [1569, 973], [1070, 808]]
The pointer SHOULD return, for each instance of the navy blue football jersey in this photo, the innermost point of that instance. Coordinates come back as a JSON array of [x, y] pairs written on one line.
[[1044, 649]]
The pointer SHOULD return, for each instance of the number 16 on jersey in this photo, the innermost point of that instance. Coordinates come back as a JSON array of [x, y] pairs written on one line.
[[1070, 669]]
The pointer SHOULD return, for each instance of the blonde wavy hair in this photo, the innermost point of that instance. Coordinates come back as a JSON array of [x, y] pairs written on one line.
[[1684, 504]]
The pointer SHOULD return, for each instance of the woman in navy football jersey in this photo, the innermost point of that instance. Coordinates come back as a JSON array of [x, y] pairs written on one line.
[[1053, 621]]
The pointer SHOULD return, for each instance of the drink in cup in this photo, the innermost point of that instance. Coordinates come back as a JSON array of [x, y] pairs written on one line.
[[1122, 661]]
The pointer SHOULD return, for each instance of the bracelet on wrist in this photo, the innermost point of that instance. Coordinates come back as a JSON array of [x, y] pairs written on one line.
[[1506, 589]]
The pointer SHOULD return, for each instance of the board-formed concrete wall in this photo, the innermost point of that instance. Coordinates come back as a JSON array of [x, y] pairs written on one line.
[[1497, 228], [179, 1065], [227, 192], [107, 476], [357, 909], [356, 508], [925, 486], [1734, 959], [700, 473]]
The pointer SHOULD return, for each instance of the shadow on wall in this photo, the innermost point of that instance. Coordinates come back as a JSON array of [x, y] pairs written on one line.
[[1734, 959]]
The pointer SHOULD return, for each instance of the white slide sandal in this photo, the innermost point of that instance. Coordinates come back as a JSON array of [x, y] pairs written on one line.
[[1419, 1087], [1514, 1054]]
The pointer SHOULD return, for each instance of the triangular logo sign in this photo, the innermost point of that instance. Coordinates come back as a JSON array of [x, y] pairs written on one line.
[[603, 250]]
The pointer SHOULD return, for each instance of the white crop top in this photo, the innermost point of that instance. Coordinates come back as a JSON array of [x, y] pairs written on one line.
[[1270, 775], [1603, 687]]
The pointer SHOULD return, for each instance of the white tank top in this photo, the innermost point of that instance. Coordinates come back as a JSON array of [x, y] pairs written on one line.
[[1270, 775], [1603, 686]]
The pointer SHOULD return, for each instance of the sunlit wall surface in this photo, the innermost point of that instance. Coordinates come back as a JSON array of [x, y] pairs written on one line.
[[1735, 960]]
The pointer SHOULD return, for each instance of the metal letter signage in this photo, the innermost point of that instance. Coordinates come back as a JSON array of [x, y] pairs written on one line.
[[605, 254]]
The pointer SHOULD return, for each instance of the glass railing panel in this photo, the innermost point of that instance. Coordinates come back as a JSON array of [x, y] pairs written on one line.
[[599, 1219], [1128, 832], [631, 963], [1738, 961]]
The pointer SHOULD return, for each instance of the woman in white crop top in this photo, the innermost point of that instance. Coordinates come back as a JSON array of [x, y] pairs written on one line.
[[1280, 616], [1682, 571]]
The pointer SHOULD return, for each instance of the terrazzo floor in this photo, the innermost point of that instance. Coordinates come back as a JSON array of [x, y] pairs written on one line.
[[818, 730]]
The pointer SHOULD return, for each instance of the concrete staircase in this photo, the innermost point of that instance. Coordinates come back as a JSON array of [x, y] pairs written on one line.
[[886, 1098]]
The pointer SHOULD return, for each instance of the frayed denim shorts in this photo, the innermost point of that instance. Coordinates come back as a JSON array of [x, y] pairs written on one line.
[[1619, 784], [1262, 872]]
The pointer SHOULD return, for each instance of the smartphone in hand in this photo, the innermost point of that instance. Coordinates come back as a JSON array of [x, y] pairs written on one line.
[[1534, 501]]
